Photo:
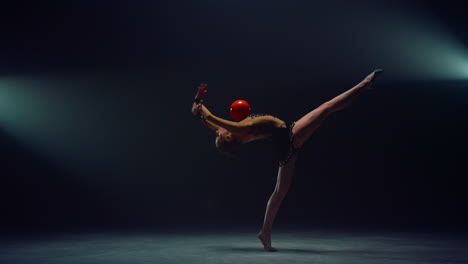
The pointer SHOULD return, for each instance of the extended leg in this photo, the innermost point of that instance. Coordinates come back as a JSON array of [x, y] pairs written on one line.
[[308, 124], [283, 182]]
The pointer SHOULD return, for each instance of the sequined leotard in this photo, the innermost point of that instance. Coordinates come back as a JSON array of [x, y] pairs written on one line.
[[282, 137]]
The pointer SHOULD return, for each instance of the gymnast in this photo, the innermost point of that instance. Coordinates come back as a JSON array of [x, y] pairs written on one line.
[[288, 139]]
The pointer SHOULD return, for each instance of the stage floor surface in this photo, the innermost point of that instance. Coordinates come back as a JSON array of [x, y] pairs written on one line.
[[228, 246]]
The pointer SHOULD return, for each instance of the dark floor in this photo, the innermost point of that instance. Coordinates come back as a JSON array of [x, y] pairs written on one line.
[[224, 246]]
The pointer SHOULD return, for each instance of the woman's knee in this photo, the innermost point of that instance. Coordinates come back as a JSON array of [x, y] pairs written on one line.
[[280, 192], [279, 196]]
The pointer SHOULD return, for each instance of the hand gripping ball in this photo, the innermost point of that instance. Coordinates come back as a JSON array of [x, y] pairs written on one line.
[[240, 109]]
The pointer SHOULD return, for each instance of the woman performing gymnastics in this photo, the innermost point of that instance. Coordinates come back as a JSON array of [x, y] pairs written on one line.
[[287, 137]]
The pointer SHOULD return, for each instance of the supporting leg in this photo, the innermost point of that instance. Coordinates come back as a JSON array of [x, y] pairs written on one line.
[[283, 183]]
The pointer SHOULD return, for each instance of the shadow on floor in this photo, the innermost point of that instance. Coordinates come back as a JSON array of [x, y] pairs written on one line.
[[406, 255], [301, 250]]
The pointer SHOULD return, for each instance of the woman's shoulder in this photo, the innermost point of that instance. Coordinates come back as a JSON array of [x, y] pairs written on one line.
[[264, 119], [261, 116]]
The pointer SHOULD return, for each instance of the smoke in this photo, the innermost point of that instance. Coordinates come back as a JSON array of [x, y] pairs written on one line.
[[416, 46]]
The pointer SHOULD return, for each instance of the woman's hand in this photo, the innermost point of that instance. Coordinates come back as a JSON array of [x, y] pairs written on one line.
[[201, 93], [196, 109], [199, 97]]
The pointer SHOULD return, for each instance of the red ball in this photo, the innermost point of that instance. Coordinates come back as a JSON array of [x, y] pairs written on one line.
[[240, 109]]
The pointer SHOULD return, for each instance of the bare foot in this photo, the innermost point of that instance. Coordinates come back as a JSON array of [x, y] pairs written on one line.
[[376, 73], [371, 77], [266, 241]]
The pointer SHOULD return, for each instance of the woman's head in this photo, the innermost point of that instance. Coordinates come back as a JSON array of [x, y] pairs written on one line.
[[226, 142]]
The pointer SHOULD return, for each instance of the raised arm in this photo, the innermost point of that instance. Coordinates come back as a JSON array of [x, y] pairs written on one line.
[[209, 124], [236, 128], [212, 121]]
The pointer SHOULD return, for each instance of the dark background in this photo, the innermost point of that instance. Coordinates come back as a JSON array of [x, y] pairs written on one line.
[[96, 133]]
